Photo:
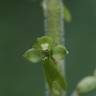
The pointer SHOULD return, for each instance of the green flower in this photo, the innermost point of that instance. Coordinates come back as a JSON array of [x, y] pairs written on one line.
[[45, 48], [45, 51]]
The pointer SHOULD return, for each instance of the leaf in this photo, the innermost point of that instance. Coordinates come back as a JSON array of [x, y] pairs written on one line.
[[67, 15], [32, 55], [59, 52], [53, 74]]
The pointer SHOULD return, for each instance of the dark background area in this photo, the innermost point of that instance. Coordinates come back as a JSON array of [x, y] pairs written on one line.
[[21, 22]]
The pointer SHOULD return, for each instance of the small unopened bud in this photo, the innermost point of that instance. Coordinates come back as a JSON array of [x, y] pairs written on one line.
[[87, 84]]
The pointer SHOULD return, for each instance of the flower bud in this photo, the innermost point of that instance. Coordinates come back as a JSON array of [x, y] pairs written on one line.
[[87, 84]]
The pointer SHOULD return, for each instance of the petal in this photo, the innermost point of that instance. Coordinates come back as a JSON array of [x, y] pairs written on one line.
[[45, 40], [59, 52], [32, 55]]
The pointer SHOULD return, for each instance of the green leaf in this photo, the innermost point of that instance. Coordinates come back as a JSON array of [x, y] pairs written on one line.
[[59, 52], [67, 15], [53, 74], [33, 55]]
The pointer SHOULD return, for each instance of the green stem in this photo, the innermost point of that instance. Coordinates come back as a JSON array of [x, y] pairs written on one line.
[[53, 12], [54, 19]]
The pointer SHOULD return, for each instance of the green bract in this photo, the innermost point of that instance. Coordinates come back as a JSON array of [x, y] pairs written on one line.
[[49, 54], [53, 74]]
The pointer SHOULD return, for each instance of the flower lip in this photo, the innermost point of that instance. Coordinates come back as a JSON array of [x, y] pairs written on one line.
[[45, 46]]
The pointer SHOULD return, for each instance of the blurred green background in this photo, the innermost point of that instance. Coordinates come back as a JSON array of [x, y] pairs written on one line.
[[21, 22]]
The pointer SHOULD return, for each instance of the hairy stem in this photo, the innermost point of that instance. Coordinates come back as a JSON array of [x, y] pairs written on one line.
[[54, 27]]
